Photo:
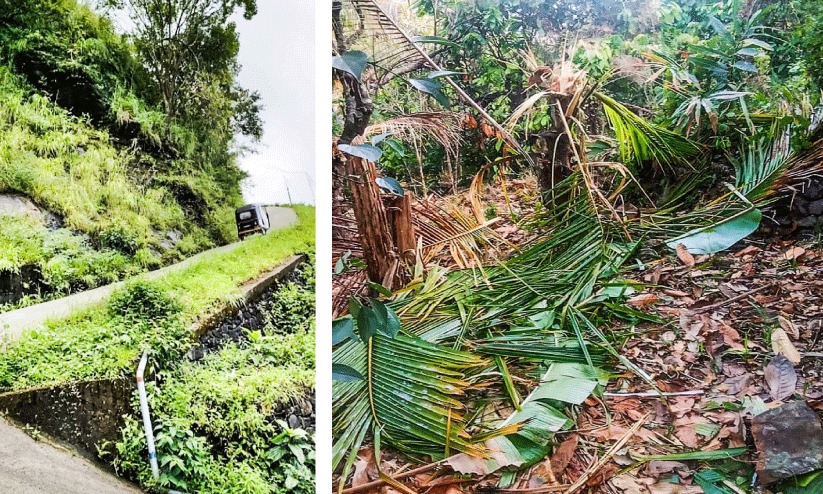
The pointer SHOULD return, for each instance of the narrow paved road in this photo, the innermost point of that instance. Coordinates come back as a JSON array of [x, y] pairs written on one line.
[[13, 323], [35, 467]]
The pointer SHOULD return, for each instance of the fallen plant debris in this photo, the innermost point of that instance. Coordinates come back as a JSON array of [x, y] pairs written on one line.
[[650, 297]]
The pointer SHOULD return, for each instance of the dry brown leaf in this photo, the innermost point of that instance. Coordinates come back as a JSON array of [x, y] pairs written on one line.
[[563, 454], [781, 344], [684, 255], [730, 336], [748, 250], [794, 253], [681, 405], [656, 468], [669, 488], [687, 436], [631, 485], [363, 467], [789, 327], [643, 300], [781, 378]]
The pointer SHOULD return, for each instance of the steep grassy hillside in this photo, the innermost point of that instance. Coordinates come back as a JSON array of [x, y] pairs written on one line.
[[83, 137]]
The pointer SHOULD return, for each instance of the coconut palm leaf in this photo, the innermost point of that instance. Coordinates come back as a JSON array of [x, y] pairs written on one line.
[[758, 168], [411, 393], [442, 127], [468, 242], [641, 142], [391, 53]]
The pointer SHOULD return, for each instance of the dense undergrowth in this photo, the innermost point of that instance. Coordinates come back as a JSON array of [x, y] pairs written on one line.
[[83, 135], [106, 340], [214, 420]]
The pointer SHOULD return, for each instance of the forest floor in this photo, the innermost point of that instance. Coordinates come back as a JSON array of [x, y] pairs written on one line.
[[716, 362]]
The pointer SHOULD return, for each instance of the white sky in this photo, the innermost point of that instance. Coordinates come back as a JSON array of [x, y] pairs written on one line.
[[277, 59]]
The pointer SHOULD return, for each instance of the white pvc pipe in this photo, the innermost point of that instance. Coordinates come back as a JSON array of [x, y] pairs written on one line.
[[144, 409]]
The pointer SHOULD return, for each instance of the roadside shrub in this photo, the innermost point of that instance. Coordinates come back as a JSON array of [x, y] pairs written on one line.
[[214, 427], [214, 419], [292, 305], [140, 300]]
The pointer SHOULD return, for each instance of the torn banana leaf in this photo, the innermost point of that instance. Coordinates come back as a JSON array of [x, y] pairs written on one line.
[[719, 236]]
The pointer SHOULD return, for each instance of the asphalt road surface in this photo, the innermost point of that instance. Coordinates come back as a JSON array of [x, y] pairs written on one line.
[[36, 467], [13, 323]]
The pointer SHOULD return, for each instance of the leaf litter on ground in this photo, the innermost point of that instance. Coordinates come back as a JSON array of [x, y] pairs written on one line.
[[740, 359]]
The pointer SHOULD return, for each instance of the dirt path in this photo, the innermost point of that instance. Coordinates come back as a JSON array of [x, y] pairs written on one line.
[[28, 466], [13, 323]]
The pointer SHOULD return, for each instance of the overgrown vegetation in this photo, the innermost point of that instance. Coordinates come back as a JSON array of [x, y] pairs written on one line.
[[214, 420], [650, 129], [155, 316], [84, 135]]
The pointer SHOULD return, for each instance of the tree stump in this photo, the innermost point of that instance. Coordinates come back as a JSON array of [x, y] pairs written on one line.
[[372, 223]]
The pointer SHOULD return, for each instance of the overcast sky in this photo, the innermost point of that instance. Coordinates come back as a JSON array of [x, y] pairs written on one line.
[[277, 59]]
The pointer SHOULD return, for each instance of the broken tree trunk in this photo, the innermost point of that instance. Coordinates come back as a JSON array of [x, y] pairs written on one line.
[[555, 163], [399, 214], [372, 223]]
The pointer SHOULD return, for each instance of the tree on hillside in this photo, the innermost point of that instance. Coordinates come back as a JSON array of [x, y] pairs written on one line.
[[189, 48]]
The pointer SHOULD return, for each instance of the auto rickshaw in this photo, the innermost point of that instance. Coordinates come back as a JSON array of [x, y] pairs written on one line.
[[251, 218]]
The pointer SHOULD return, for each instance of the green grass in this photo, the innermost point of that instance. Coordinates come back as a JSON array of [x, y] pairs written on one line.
[[64, 257], [99, 342], [214, 419], [116, 202]]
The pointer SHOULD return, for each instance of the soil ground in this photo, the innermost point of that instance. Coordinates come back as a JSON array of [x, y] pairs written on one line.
[[725, 319]]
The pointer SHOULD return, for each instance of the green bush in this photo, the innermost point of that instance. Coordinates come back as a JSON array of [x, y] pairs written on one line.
[[214, 428], [141, 300], [118, 238]]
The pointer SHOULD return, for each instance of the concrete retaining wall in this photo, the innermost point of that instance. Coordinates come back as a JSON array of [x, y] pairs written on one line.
[[82, 414]]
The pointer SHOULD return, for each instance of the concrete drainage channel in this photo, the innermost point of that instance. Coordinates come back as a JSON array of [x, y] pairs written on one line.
[[85, 415]]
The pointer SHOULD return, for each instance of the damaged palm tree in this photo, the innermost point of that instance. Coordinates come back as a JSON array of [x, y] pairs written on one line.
[[385, 237], [484, 366]]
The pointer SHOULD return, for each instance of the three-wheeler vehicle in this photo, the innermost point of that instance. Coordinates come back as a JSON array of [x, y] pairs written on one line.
[[251, 218]]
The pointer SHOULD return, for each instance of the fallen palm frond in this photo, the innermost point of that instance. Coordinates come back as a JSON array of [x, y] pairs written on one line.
[[758, 168], [466, 240], [392, 54], [411, 393], [442, 127], [798, 168], [540, 309], [641, 142]]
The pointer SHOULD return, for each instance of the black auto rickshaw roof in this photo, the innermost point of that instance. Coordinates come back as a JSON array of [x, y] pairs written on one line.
[[248, 207]]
